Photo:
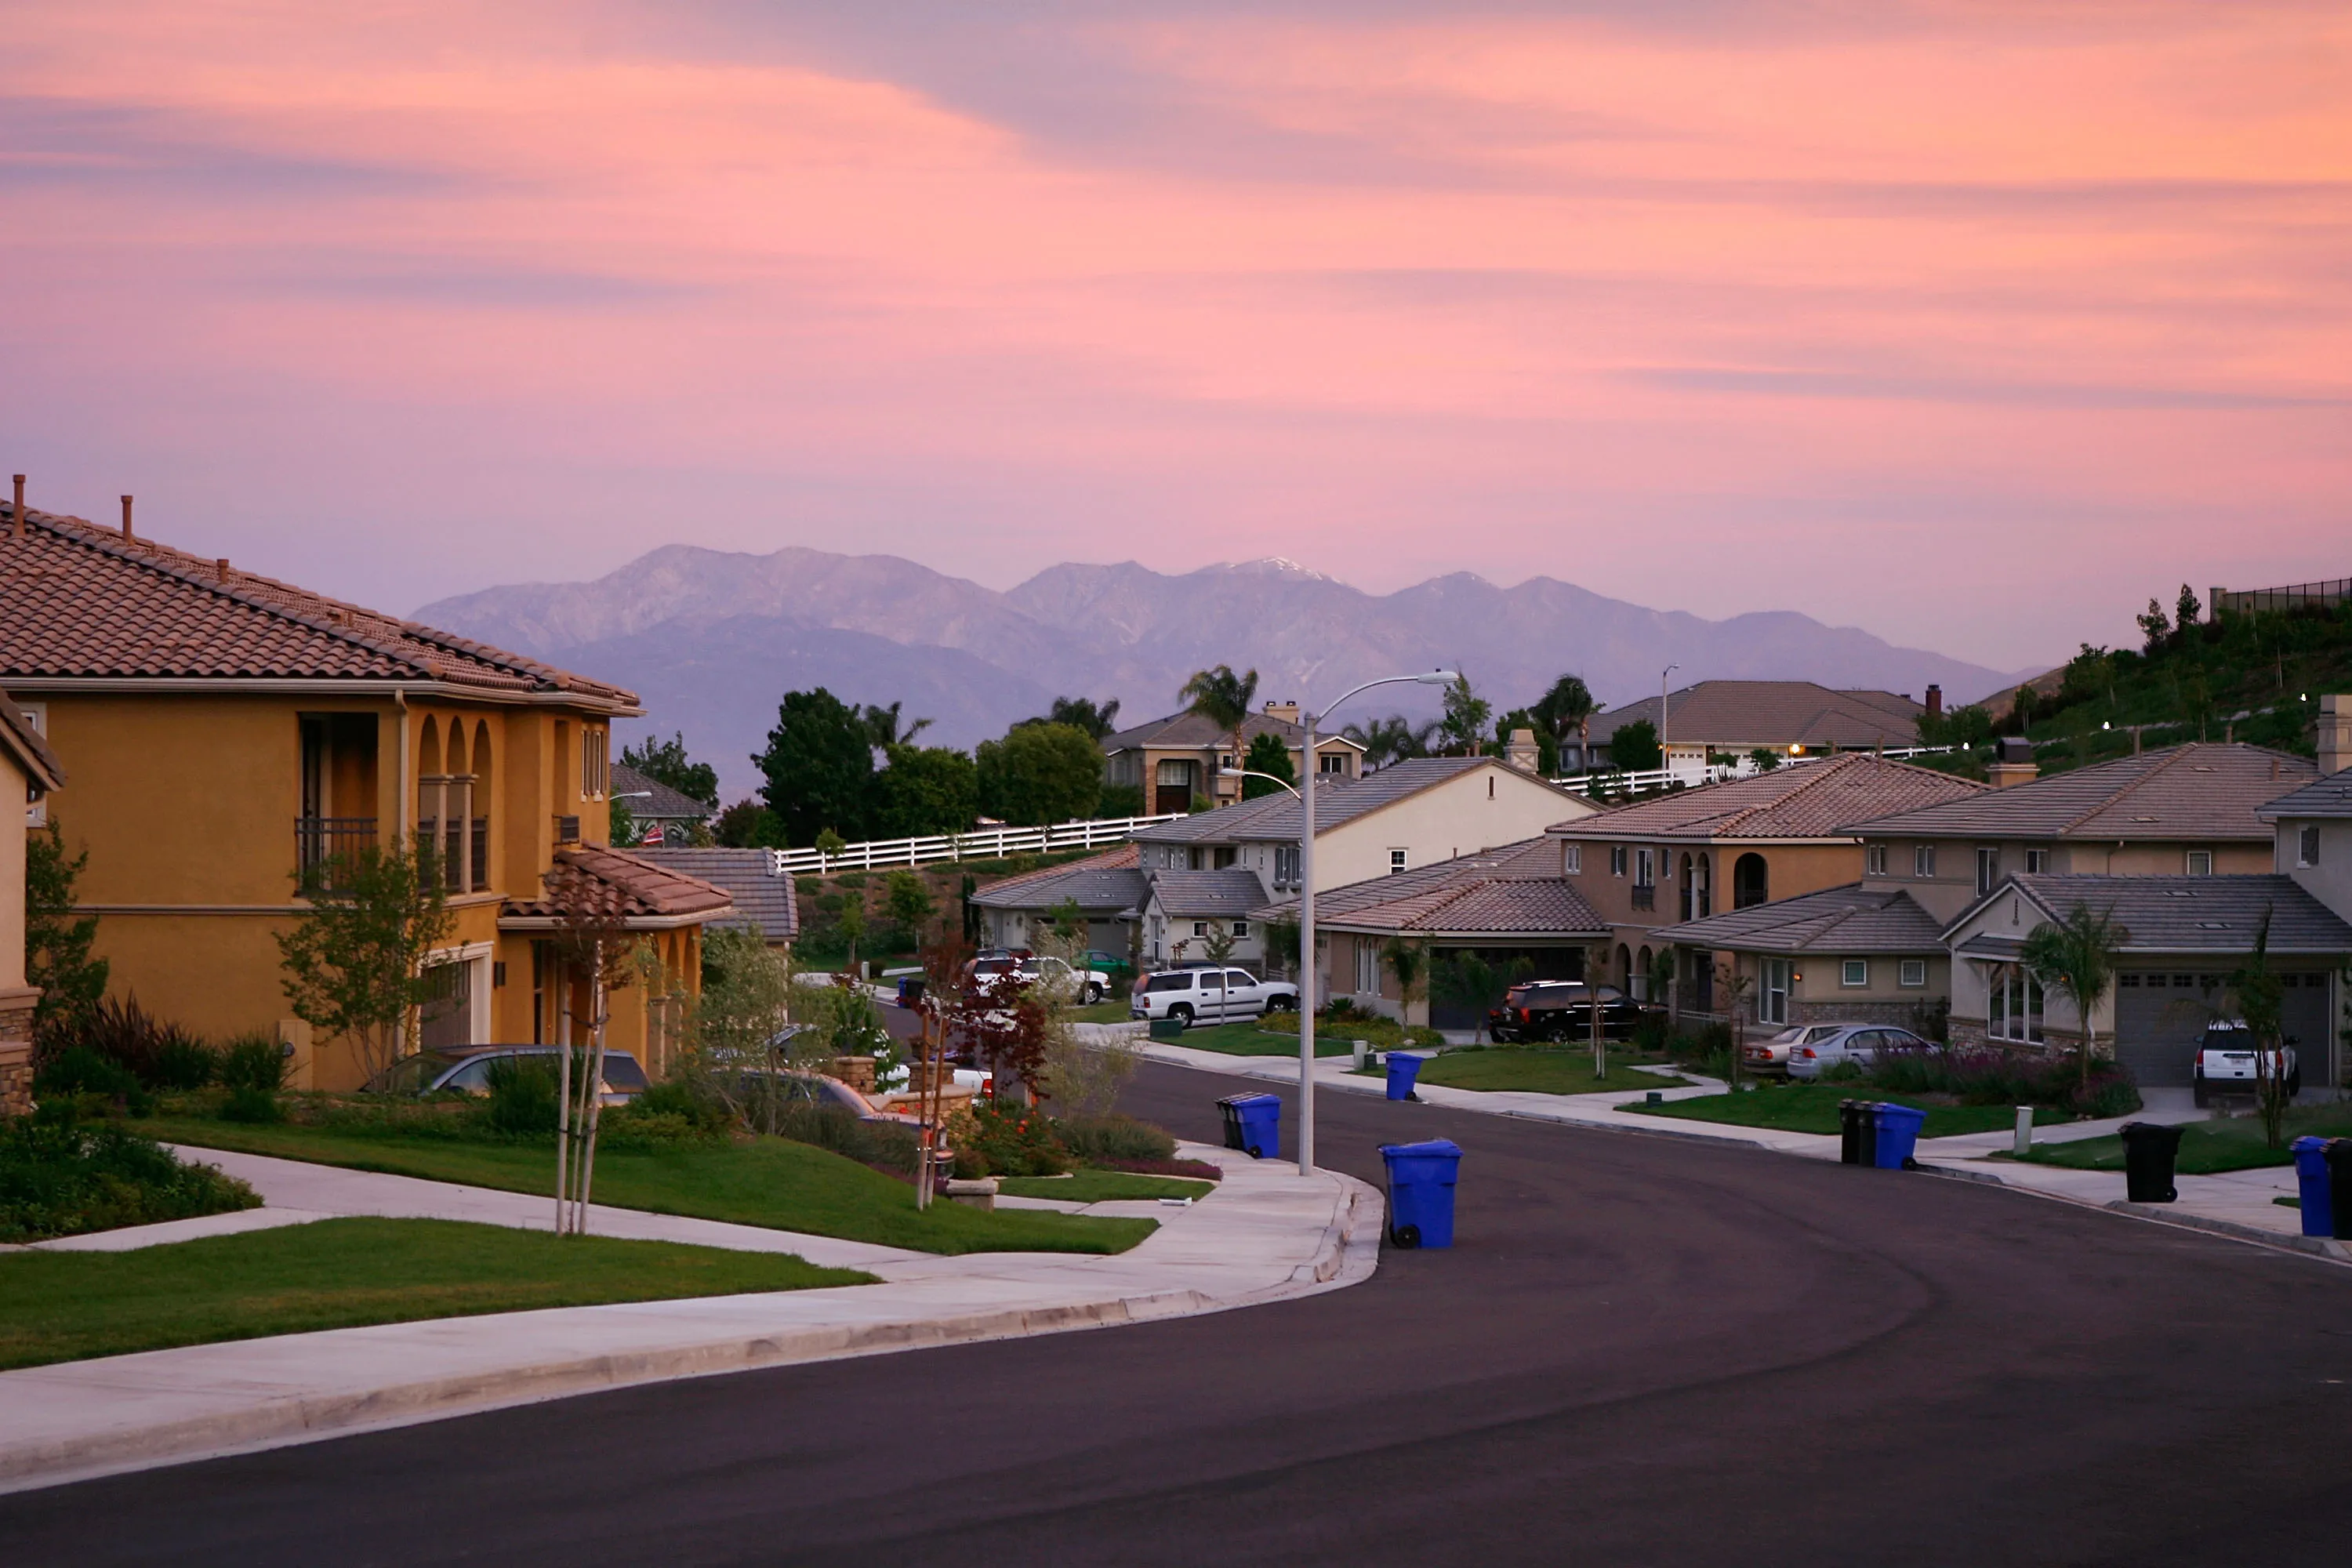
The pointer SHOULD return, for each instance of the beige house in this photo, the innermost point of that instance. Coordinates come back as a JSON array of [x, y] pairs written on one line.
[[1788, 718], [28, 773], [1176, 759], [2313, 825], [1851, 955]]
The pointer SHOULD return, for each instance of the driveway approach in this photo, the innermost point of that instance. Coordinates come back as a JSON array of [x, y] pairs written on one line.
[[1642, 1350]]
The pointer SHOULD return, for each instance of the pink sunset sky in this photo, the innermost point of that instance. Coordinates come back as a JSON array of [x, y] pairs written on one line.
[[1972, 324]]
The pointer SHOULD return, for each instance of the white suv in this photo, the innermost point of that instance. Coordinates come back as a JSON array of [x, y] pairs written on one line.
[[2225, 1063], [1209, 994]]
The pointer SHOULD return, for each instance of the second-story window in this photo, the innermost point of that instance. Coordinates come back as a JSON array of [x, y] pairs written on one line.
[[595, 763], [1922, 859], [1875, 858], [1396, 861], [1329, 763], [1572, 860], [1644, 869], [1286, 865], [1987, 869], [2200, 862], [1617, 860], [2306, 846], [2037, 861]]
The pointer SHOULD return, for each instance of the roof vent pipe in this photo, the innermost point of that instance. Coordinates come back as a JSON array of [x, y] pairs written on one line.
[[20, 506], [126, 519]]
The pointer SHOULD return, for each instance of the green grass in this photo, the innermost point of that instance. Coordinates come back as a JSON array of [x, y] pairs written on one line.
[[1110, 1010], [1092, 1186], [1536, 1070], [2207, 1148], [1246, 1039], [1813, 1108], [340, 1273], [764, 1180]]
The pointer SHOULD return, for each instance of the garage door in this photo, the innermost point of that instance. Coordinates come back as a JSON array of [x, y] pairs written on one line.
[[2304, 1020], [2160, 1016]]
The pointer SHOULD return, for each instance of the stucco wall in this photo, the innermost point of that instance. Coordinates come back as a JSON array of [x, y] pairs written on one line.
[[1458, 817], [2330, 881], [1954, 886], [12, 875]]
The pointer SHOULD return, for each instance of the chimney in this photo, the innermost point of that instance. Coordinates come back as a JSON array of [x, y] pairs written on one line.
[[1935, 701], [2334, 729], [1286, 711], [20, 506], [1519, 751], [126, 519], [2012, 762]]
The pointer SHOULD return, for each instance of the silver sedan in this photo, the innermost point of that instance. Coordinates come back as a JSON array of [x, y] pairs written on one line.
[[1857, 1043]]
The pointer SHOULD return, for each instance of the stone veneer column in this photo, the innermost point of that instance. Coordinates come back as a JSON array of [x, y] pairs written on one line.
[[16, 1050]]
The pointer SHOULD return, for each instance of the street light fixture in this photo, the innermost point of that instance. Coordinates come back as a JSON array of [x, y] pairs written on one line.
[[1307, 719], [1253, 774]]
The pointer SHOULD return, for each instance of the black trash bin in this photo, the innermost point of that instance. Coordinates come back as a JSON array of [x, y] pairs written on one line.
[[1857, 1133], [2339, 1184], [2149, 1154], [1232, 1123]]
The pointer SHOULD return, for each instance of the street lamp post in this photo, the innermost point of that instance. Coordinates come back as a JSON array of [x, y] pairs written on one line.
[[1309, 719], [1664, 761]]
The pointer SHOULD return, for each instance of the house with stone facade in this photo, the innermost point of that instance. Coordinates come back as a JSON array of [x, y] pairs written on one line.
[[1181, 758]]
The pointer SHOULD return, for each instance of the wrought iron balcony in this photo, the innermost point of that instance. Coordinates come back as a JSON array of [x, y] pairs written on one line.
[[1645, 897], [322, 843]]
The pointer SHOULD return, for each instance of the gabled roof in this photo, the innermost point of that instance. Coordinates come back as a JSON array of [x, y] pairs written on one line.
[[1107, 881], [2169, 914], [83, 602], [1800, 800], [1231, 893], [2329, 796], [1277, 816], [1513, 890], [1190, 731], [664, 805], [32, 754], [764, 899], [1773, 714], [1856, 918], [628, 885], [2194, 791]]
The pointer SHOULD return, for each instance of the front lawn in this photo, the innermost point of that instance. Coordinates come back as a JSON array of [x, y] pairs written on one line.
[[340, 1273], [767, 1182], [1246, 1039], [1094, 1187], [2207, 1148], [1813, 1108], [1110, 1010], [1538, 1070]]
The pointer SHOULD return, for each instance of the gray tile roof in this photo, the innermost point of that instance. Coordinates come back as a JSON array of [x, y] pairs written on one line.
[[763, 901], [1222, 825], [1857, 917], [664, 805], [1192, 732], [1111, 882], [2194, 791], [2191, 914], [1773, 714], [1231, 893], [1801, 800], [2330, 797]]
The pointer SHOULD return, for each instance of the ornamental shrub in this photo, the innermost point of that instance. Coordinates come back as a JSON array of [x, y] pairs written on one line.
[[253, 1061], [63, 1177], [1011, 1140], [81, 1071], [1096, 1140], [251, 1102], [523, 1094]]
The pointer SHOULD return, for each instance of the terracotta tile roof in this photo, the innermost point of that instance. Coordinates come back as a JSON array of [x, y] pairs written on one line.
[[2194, 791], [1856, 918], [1746, 713], [1513, 890], [84, 602], [764, 900], [628, 885], [22, 742], [1801, 800]]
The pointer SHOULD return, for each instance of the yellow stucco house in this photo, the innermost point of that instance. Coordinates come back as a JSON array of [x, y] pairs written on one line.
[[224, 732], [28, 773]]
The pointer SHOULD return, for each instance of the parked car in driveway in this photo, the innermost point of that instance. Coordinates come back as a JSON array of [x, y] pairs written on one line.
[[466, 1069], [1771, 1058], [1209, 995], [1561, 1010], [1047, 973], [2226, 1063], [1857, 1043]]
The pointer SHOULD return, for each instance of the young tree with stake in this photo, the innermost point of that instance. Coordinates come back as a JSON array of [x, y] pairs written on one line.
[[354, 961], [592, 944]]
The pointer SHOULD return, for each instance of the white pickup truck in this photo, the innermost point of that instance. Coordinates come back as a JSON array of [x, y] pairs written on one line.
[[1209, 995], [2225, 1063]]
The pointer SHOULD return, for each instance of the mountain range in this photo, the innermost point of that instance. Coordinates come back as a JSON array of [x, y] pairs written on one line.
[[711, 640]]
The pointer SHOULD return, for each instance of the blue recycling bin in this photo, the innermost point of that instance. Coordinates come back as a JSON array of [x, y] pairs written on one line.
[[1421, 1191], [1404, 1069], [1254, 1124], [2311, 1176], [1897, 1127]]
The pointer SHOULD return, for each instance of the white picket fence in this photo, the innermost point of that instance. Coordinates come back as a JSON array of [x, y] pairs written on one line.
[[984, 843], [1693, 774]]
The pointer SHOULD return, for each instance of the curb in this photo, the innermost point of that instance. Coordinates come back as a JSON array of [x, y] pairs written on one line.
[[2160, 1214]]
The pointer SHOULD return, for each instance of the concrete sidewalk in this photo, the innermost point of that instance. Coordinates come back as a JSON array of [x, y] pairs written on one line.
[[1266, 1235]]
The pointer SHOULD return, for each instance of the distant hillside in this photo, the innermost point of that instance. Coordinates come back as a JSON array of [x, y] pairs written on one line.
[[711, 639]]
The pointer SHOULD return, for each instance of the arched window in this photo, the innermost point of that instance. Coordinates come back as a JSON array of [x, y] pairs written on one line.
[[1624, 967], [1690, 889], [1705, 887], [1641, 986], [478, 834], [1749, 884]]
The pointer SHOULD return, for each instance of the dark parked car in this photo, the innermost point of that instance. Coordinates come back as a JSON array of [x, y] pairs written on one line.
[[1561, 1010]]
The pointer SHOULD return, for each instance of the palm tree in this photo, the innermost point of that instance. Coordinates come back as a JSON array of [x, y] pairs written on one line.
[[1223, 699], [882, 725], [2077, 956], [1080, 713], [1390, 740], [1569, 705]]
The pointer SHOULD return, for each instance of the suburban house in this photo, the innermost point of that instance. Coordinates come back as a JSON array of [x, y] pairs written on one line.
[[1511, 906], [2191, 810], [1853, 954], [2313, 825], [230, 735], [662, 814], [1788, 718], [2183, 937], [1108, 888], [1174, 760], [1689, 854], [764, 896], [1188, 911], [28, 771]]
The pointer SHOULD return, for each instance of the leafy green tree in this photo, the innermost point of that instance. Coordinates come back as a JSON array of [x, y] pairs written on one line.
[[1409, 961], [1221, 697], [1547, 747], [1040, 773], [354, 961], [1634, 747], [1765, 758], [2186, 609], [908, 900], [820, 766], [667, 762], [2077, 956], [1567, 709], [1466, 716], [1119, 800], [2261, 999], [1465, 979], [56, 941], [925, 790], [1267, 754], [882, 725], [2155, 626], [748, 824], [621, 823], [1096, 719]]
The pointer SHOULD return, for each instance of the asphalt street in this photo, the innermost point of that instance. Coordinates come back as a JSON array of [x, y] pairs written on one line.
[[1640, 1350]]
